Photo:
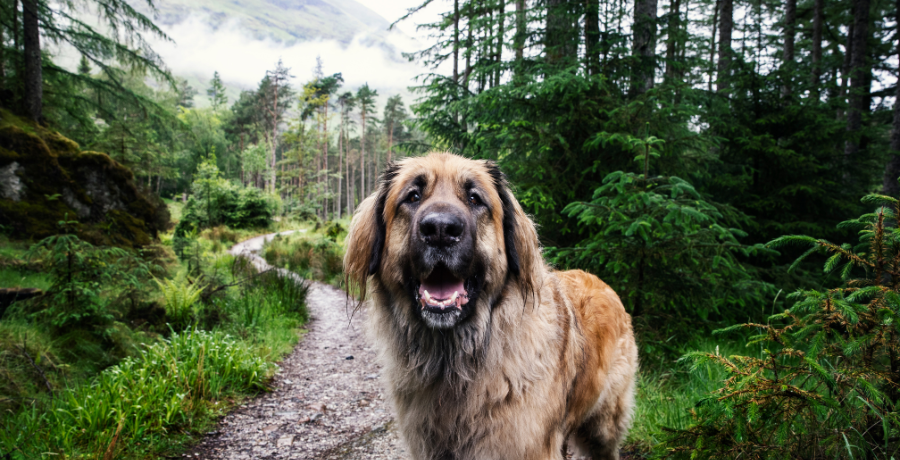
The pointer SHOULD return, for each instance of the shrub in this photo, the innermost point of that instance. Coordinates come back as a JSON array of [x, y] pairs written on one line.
[[80, 273], [828, 383], [181, 296], [669, 251], [216, 201]]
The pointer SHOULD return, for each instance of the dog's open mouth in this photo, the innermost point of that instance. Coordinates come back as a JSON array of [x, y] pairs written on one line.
[[442, 291]]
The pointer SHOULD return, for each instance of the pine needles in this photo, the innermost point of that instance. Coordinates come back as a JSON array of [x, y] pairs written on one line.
[[827, 383]]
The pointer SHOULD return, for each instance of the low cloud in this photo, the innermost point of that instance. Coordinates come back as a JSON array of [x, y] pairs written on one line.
[[242, 60]]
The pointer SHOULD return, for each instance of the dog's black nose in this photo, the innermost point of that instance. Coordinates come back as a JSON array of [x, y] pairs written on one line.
[[441, 228]]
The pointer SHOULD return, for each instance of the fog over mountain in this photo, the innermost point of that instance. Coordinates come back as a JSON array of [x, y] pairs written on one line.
[[241, 39]]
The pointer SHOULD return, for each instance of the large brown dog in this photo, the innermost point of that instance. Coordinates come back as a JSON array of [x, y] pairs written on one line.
[[488, 353]]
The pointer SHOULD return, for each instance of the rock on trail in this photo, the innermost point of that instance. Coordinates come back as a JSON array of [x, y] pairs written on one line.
[[324, 404]]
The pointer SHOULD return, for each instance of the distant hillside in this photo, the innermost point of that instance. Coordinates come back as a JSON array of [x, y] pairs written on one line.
[[287, 21]]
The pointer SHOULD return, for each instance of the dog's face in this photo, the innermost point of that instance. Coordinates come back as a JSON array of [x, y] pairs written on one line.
[[443, 236]]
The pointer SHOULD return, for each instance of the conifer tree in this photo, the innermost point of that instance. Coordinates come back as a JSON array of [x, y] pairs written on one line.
[[365, 100], [216, 93]]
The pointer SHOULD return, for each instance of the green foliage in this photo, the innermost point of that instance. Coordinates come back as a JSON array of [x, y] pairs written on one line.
[[312, 257], [170, 386], [80, 273], [181, 296], [667, 249], [826, 385], [217, 201]]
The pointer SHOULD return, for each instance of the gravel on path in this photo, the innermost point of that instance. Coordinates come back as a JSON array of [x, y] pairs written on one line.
[[326, 401]]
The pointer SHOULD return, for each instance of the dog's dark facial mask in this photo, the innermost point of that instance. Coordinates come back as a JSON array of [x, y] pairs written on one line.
[[443, 275]]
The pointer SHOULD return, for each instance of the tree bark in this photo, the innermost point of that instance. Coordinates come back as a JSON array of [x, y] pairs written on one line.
[[726, 24], [818, 19], [362, 156], [644, 45], [456, 57], [712, 45], [787, 55], [558, 38], [33, 79], [891, 186], [672, 38], [592, 36], [521, 34], [501, 20], [859, 75]]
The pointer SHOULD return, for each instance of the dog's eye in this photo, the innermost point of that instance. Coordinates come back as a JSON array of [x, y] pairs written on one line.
[[413, 197], [474, 200]]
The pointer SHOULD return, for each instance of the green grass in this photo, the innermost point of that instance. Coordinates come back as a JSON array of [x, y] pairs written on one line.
[[18, 278], [667, 390], [154, 396], [312, 254], [131, 408]]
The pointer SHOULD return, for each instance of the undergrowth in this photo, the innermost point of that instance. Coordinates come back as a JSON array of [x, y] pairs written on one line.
[[96, 368]]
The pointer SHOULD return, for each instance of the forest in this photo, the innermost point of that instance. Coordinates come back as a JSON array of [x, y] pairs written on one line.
[[729, 167]]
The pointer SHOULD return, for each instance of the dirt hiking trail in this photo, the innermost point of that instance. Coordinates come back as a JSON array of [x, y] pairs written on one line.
[[326, 401]]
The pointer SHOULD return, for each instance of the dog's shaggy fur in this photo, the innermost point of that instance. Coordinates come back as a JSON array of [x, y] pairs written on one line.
[[533, 358]]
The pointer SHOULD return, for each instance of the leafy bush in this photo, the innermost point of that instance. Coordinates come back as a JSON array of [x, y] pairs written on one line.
[[828, 384], [665, 248], [216, 201], [169, 387]]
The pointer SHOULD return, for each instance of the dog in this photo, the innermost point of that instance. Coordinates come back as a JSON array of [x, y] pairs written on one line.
[[487, 352]]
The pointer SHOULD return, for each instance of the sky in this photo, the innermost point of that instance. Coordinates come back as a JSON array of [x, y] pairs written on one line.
[[242, 60]]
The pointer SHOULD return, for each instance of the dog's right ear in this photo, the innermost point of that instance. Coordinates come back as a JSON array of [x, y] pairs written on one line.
[[365, 240]]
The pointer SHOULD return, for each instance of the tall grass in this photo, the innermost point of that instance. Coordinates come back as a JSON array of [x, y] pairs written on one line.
[[168, 387], [312, 256], [666, 392]]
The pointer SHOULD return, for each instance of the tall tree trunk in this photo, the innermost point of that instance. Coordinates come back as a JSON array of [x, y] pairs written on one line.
[[787, 55], [455, 58], [325, 159], [555, 36], [501, 20], [362, 157], [891, 186], [337, 201], [712, 45], [672, 37], [33, 79], [592, 36], [845, 67], [859, 75], [644, 45], [726, 24], [390, 139], [818, 19], [519, 39]]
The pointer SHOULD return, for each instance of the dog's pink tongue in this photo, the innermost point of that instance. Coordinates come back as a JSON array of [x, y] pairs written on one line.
[[441, 284]]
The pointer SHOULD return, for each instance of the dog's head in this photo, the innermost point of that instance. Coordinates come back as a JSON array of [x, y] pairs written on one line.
[[444, 236]]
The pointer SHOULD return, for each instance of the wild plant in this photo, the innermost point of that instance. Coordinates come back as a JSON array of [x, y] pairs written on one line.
[[82, 275], [181, 296], [828, 382]]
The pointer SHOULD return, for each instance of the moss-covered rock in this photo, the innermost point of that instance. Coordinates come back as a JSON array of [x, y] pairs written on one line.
[[45, 178]]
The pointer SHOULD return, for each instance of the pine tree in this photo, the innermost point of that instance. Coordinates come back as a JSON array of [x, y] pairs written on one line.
[[216, 93], [365, 100]]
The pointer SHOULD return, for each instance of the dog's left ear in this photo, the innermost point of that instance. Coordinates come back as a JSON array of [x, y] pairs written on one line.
[[365, 240], [523, 250]]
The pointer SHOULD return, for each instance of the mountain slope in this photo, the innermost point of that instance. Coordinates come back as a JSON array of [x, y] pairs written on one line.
[[287, 21]]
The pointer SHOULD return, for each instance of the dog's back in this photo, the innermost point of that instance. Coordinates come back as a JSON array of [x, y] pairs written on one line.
[[602, 401]]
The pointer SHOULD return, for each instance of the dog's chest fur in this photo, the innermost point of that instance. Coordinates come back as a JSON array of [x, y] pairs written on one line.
[[503, 380]]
